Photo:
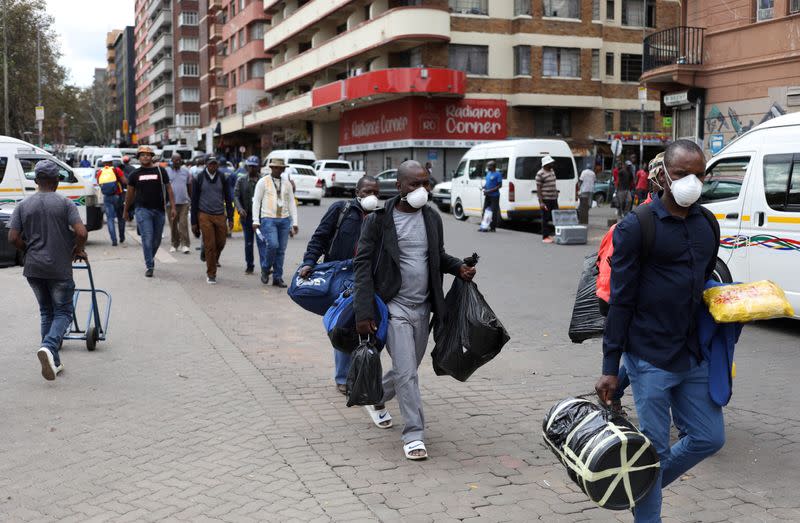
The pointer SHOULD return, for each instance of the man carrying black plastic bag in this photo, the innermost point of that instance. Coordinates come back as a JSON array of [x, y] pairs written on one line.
[[472, 334], [365, 376]]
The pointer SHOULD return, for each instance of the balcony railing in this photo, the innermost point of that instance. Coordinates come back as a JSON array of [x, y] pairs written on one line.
[[674, 46]]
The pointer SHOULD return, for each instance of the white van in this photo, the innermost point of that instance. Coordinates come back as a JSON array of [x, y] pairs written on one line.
[[753, 188], [17, 161], [92, 154], [518, 161], [294, 156], [186, 152]]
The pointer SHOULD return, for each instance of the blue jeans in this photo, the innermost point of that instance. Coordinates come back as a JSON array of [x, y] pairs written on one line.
[[250, 237], [55, 309], [151, 227], [110, 205], [656, 392], [276, 234], [342, 361]]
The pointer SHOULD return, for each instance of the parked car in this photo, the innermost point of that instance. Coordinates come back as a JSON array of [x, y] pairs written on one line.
[[387, 181], [307, 186], [603, 191], [9, 255], [337, 176], [441, 195]]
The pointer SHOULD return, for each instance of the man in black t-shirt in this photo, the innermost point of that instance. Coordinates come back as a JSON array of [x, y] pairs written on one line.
[[148, 187]]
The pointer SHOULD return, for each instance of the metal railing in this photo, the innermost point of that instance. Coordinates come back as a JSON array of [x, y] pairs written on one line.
[[680, 45]]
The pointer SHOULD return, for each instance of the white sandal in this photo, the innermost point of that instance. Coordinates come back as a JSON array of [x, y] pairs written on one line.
[[408, 448], [379, 417]]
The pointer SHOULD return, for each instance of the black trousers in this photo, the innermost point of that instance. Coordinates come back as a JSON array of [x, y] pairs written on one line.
[[547, 218], [493, 203]]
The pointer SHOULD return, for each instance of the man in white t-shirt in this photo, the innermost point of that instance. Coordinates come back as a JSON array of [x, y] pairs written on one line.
[[585, 187]]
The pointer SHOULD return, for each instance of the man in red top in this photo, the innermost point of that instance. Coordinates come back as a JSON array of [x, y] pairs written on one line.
[[111, 180], [642, 186]]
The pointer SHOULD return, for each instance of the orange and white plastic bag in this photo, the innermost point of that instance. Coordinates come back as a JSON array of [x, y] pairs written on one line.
[[743, 302]]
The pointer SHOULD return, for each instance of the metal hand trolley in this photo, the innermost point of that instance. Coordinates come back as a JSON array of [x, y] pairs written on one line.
[[95, 329]]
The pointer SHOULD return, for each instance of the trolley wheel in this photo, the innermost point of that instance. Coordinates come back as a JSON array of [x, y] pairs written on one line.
[[91, 339]]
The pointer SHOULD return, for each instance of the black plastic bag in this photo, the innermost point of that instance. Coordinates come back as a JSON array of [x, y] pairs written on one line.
[[365, 377], [603, 452], [587, 321], [471, 335]]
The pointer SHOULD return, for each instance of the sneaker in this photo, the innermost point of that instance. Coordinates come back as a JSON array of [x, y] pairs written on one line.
[[279, 284], [249, 270], [547, 240], [113, 244], [211, 280], [264, 277], [122, 240], [185, 249], [49, 369], [173, 249], [148, 273]]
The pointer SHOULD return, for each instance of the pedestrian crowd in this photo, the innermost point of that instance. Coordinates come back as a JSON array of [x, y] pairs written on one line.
[[655, 286]]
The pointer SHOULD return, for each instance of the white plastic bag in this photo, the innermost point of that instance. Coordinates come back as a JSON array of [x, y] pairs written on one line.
[[487, 219]]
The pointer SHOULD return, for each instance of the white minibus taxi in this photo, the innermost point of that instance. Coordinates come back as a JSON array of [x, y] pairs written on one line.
[[753, 188], [518, 161]]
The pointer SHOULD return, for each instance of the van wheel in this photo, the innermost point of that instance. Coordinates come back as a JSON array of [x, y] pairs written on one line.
[[458, 211], [721, 273]]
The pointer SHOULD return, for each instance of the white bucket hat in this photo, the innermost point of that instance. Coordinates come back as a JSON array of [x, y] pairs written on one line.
[[547, 160], [107, 158]]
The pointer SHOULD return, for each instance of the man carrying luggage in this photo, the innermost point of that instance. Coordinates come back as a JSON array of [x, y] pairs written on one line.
[[401, 258], [336, 238], [651, 322]]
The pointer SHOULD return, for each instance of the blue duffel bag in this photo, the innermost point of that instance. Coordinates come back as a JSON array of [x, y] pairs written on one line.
[[340, 323], [326, 282]]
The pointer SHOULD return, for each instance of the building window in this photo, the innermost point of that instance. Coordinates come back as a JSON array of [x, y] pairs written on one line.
[[472, 59], [233, 79], [189, 69], [241, 38], [242, 75], [257, 31], [561, 61], [595, 10], [522, 60], [794, 6], [636, 13], [765, 10], [630, 67], [302, 47], [609, 118], [233, 45], [190, 94], [609, 64], [552, 122], [188, 44], [609, 9], [562, 8], [522, 7], [469, 7], [631, 121], [257, 69], [188, 119], [414, 58], [595, 64], [188, 18]]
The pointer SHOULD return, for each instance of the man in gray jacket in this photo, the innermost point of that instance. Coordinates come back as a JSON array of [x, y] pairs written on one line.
[[211, 203]]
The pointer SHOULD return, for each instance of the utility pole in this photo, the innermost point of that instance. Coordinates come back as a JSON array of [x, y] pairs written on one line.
[[39, 121], [6, 129]]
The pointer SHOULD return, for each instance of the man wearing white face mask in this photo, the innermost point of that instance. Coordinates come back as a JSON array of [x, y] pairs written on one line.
[[401, 258], [656, 294], [336, 239]]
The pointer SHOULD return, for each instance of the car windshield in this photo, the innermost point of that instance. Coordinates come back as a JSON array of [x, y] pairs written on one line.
[[337, 165], [301, 161], [28, 164]]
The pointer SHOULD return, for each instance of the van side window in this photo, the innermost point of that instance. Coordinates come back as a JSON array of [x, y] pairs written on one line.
[[502, 165], [724, 179], [782, 181], [460, 170], [3, 165], [527, 167], [29, 164], [476, 169]]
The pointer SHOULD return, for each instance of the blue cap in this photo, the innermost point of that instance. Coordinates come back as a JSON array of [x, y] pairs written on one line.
[[47, 170], [253, 161]]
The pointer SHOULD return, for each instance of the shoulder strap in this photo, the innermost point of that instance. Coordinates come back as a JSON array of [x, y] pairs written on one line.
[[163, 186], [712, 221], [648, 225], [339, 221]]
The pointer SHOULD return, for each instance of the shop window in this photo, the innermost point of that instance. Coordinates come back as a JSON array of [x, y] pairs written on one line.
[[472, 59], [630, 67], [522, 7], [595, 64], [469, 7], [636, 13], [782, 181], [522, 60], [724, 180], [553, 122], [630, 121], [609, 64], [561, 61], [562, 8]]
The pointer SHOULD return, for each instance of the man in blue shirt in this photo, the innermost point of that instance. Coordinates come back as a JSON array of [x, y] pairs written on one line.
[[491, 191], [655, 297]]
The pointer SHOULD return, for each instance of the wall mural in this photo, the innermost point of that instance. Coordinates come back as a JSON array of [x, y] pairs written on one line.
[[734, 119]]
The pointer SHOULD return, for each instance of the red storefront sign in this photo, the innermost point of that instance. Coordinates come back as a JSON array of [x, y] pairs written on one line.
[[423, 122]]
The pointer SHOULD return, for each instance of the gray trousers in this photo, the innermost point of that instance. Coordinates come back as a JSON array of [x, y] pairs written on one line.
[[406, 342]]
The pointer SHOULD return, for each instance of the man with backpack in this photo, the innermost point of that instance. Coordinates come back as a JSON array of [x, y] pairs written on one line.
[[111, 181], [211, 204], [663, 255], [336, 238]]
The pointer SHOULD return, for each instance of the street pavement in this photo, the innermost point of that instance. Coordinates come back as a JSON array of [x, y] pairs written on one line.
[[217, 403]]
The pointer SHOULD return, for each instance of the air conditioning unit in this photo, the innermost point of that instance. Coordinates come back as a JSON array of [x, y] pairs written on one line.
[[793, 94]]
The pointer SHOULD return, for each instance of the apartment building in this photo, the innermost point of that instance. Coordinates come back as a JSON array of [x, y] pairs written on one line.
[[142, 130], [726, 66], [111, 64], [124, 115], [169, 85], [379, 81]]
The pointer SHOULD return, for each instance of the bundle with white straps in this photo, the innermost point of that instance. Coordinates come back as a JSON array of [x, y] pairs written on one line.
[[611, 461]]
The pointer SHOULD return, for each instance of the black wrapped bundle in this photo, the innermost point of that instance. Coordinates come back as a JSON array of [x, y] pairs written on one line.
[[587, 321], [611, 461]]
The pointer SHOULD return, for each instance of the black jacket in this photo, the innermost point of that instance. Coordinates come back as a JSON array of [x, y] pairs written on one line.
[[346, 241], [377, 264]]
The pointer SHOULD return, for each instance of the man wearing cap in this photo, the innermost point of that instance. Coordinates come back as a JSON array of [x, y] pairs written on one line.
[[111, 180], [547, 192], [181, 181], [211, 204], [243, 199], [47, 228], [149, 188], [275, 215]]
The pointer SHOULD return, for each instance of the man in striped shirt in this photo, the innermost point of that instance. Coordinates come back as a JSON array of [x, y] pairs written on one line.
[[548, 196]]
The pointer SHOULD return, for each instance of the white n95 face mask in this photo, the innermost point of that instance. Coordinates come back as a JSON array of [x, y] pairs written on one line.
[[417, 198], [369, 203], [686, 190]]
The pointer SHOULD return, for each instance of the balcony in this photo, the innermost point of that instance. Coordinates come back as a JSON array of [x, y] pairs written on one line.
[[164, 19], [410, 23], [154, 7], [217, 93], [300, 19], [162, 90], [214, 33], [215, 63], [214, 5], [162, 113], [163, 43], [671, 53], [162, 67]]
